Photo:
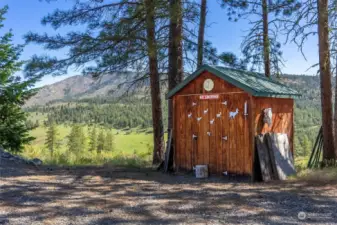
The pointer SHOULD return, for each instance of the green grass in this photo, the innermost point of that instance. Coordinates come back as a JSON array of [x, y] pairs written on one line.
[[131, 148], [301, 163]]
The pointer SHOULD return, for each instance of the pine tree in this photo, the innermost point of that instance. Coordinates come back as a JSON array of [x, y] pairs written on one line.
[[52, 138], [93, 139], [109, 141], [100, 142], [260, 46], [325, 76], [76, 139], [316, 15], [306, 145], [13, 93], [201, 35], [124, 40]]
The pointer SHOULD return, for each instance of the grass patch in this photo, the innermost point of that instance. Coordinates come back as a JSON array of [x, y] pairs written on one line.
[[131, 149], [326, 175], [301, 163]]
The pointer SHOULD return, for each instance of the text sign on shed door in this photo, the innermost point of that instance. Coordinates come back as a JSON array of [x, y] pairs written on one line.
[[205, 97]]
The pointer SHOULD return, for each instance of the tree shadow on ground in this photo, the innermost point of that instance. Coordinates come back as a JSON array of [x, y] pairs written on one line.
[[97, 195]]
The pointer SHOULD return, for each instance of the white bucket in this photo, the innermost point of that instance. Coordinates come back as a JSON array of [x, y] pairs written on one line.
[[201, 171]]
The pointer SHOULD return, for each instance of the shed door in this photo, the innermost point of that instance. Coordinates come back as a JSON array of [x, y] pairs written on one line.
[[213, 132]]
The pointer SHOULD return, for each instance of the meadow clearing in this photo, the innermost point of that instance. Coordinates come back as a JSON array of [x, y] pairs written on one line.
[[132, 147]]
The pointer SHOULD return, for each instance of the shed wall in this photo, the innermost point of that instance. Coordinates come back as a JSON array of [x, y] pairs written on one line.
[[196, 86], [282, 119], [233, 155]]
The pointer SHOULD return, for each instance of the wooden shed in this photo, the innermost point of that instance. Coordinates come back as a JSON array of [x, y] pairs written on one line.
[[218, 112]]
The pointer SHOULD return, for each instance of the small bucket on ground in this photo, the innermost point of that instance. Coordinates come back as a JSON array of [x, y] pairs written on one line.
[[201, 171]]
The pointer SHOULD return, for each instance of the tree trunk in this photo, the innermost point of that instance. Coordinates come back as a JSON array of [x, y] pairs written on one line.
[[335, 116], [201, 35], [266, 47], [157, 117], [325, 77], [175, 71]]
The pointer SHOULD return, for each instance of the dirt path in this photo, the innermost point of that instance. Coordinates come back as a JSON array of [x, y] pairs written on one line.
[[112, 196]]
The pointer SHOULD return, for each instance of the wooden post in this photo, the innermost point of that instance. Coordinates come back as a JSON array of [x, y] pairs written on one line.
[[251, 129]]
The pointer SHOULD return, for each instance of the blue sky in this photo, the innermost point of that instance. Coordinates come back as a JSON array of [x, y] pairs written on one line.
[[25, 16]]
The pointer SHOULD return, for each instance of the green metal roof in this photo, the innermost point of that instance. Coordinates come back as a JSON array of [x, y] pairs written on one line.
[[254, 83]]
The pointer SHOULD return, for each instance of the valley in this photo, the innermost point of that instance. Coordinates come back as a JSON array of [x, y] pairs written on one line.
[[128, 118]]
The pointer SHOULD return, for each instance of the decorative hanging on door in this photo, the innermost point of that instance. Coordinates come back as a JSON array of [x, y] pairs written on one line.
[[232, 115], [224, 103], [218, 115], [194, 103], [199, 118], [245, 113], [189, 115], [268, 115], [212, 121], [206, 111]]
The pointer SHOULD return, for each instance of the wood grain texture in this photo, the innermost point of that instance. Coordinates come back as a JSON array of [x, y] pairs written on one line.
[[218, 136], [212, 138], [196, 86], [282, 119], [236, 154], [195, 130], [188, 136], [204, 128]]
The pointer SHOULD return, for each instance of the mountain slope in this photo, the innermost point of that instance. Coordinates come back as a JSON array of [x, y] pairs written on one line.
[[79, 87]]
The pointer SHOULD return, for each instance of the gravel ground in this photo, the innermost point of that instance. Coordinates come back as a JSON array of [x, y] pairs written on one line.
[[124, 196]]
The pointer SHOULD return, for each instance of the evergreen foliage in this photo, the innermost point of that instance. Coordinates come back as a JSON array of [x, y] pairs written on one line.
[[261, 47], [14, 133], [93, 139], [109, 142], [76, 139], [52, 138], [100, 142]]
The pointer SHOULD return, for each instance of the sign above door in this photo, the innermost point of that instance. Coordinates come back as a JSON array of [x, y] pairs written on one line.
[[206, 97]]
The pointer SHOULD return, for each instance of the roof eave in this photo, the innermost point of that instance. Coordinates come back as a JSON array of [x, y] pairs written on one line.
[[277, 95], [216, 73], [230, 80]]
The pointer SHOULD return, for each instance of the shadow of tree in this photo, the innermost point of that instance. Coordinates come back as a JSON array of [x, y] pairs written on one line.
[[93, 195]]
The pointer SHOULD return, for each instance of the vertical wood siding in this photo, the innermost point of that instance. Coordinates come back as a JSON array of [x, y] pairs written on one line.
[[236, 154], [282, 120]]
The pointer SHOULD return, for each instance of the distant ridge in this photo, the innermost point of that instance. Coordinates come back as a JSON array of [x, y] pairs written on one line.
[[80, 87]]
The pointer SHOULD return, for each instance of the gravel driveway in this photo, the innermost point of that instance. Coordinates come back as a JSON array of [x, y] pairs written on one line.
[[125, 196]]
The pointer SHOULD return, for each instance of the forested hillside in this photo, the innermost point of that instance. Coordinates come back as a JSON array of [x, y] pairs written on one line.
[[132, 112]]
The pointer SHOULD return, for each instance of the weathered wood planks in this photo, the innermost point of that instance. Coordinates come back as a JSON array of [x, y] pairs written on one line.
[[236, 154]]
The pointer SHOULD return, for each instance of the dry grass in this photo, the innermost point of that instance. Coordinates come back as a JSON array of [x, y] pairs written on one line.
[[326, 175]]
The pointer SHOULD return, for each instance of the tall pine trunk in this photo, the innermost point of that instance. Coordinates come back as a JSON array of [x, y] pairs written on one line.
[[335, 116], [266, 47], [175, 71], [157, 117], [201, 36], [325, 77]]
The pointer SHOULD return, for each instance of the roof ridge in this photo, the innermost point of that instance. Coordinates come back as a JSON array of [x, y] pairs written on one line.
[[251, 73], [252, 82]]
